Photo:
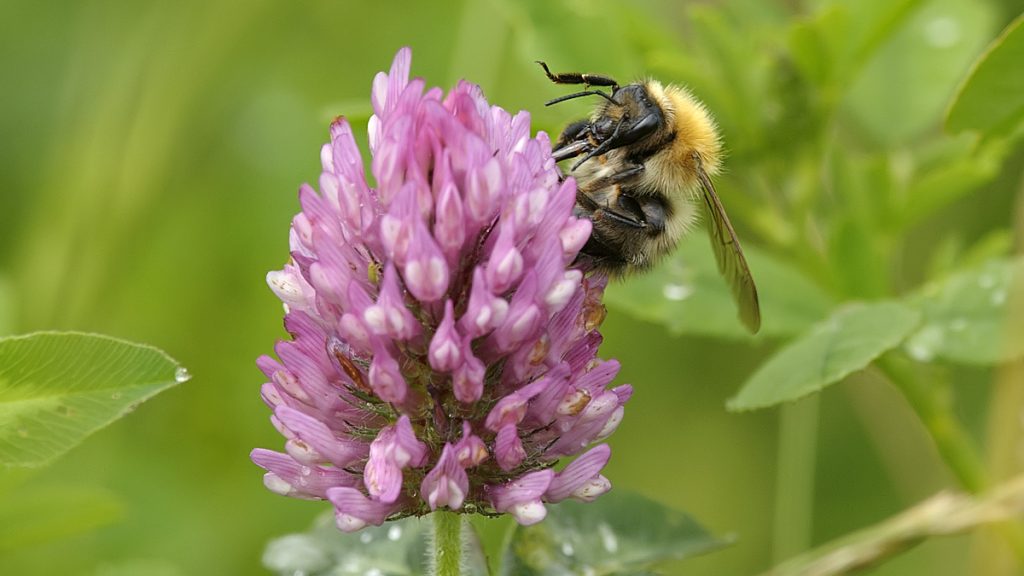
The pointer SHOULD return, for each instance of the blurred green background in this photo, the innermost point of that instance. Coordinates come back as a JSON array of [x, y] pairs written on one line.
[[149, 163]]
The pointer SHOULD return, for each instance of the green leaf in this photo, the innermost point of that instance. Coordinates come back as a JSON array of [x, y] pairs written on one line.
[[7, 306], [857, 252], [561, 34], [34, 515], [57, 388], [957, 169], [967, 316], [950, 255], [140, 567], [992, 96], [925, 58], [847, 341], [619, 533], [688, 296], [397, 548], [816, 43]]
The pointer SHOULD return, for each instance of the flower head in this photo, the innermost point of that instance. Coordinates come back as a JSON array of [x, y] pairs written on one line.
[[443, 347]]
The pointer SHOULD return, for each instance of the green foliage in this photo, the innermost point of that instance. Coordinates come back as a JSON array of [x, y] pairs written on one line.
[[620, 534], [36, 515], [687, 294], [398, 548], [147, 179], [992, 96], [967, 316], [847, 341], [57, 388]]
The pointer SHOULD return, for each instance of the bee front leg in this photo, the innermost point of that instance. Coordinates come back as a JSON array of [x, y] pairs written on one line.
[[579, 78], [577, 131]]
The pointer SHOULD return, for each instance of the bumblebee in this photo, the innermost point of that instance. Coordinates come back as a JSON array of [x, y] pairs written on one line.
[[644, 161]]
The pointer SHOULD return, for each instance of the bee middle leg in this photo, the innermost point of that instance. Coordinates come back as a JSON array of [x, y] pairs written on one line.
[[621, 236]]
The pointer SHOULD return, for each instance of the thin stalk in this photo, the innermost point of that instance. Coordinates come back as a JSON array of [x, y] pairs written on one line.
[[941, 515], [932, 404], [1005, 434], [447, 543], [794, 482]]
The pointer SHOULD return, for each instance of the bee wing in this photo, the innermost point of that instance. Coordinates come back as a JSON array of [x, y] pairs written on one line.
[[731, 263]]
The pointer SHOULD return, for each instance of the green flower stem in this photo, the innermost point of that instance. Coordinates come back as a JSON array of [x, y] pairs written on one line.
[[991, 555], [794, 483], [932, 403], [447, 552]]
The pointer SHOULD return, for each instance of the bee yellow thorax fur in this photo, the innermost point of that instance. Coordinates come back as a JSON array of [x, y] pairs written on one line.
[[695, 131]]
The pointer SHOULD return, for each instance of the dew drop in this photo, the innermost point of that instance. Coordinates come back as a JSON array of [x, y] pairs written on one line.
[[181, 375], [942, 32], [366, 537], [115, 396], [394, 533], [923, 344], [295, 554], [998, 297], [374, 572], [676, 292], [608, 539], [568, 549]]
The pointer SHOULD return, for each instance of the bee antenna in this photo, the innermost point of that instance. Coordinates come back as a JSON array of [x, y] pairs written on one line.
[[582, 94]]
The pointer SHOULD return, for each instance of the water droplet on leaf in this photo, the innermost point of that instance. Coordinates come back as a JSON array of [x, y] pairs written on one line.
[[608, 539], [923, 345], [181, 375], [568, 549], [998, 298], [676, 292], [394, 533], [942, 32]]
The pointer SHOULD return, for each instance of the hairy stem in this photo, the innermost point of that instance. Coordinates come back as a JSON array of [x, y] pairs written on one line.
[[447, 543]]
